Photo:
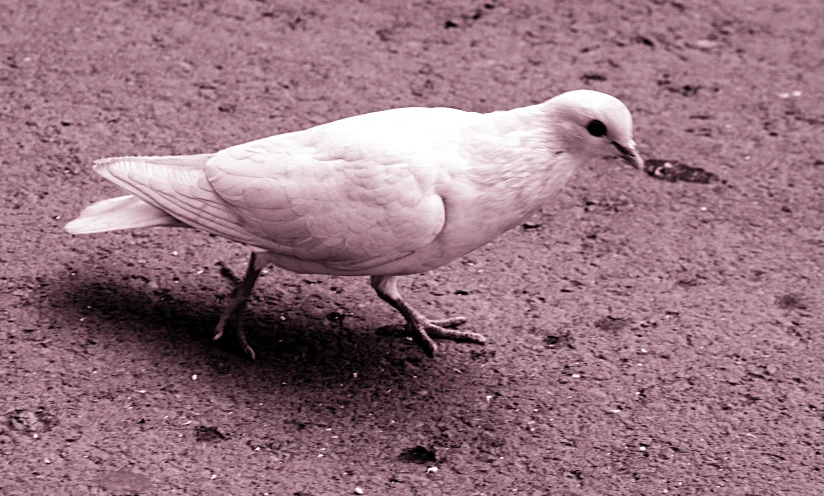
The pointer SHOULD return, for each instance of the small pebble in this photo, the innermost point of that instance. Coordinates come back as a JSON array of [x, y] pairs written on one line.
[[705, 44]]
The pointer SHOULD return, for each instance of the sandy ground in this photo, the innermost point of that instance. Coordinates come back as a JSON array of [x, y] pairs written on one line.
[[646, 337]]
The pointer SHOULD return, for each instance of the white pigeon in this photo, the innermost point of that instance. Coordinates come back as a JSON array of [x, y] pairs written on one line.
[[384, 194]]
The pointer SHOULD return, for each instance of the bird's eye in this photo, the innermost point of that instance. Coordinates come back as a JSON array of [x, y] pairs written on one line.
[[597, 128]]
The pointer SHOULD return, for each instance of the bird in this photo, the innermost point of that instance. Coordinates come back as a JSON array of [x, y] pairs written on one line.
[[385, 194]]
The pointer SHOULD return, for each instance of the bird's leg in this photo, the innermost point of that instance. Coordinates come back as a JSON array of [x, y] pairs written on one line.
[[237, 303], [422, 329]]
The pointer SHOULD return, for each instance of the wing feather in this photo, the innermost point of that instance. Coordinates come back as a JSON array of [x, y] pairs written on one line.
[[341, 196]]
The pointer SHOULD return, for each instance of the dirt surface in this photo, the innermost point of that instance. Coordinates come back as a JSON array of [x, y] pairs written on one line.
[[645, 336]]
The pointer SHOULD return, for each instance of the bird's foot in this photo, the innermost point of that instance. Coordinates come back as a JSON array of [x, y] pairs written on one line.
[[232, 314], [237, 323], [425, 331]]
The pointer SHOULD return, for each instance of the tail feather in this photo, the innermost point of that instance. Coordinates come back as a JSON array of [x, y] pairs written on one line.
[[124, 212], [132, 212], [185, 161]]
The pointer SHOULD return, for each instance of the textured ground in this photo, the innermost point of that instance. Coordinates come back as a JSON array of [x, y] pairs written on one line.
[[646, 337]]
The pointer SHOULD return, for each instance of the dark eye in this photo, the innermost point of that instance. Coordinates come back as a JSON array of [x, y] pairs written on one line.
[[597, 128]]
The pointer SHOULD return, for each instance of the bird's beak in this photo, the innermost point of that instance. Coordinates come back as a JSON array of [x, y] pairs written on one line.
[[629, 153]]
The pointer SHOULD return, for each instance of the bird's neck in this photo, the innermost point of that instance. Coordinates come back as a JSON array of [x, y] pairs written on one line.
[[511, 171], [520, 165]]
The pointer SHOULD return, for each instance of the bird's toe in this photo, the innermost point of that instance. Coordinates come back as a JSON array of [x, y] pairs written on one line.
[[244, 344], [237, 330], [219, 329], [424, 332], [452, 322], [439, 332]]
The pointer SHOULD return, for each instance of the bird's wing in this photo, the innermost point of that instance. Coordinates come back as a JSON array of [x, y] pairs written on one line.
[[350, 195], [178, 186]]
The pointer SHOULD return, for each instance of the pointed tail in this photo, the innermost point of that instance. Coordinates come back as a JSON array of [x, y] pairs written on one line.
[[124, 212], [132, 212]]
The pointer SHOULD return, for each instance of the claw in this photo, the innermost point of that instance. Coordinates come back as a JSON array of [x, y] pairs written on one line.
[[241, 336]]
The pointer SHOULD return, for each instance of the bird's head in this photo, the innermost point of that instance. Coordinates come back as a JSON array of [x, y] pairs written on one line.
[[590, 124]]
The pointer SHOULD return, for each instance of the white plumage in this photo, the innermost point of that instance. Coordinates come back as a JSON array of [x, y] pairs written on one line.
[[384, 194]]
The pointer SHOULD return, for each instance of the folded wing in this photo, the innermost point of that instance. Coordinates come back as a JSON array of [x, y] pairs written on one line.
[[347, 203]]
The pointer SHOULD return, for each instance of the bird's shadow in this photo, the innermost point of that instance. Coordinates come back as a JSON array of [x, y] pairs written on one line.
[[176, 326], [306, 360]]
